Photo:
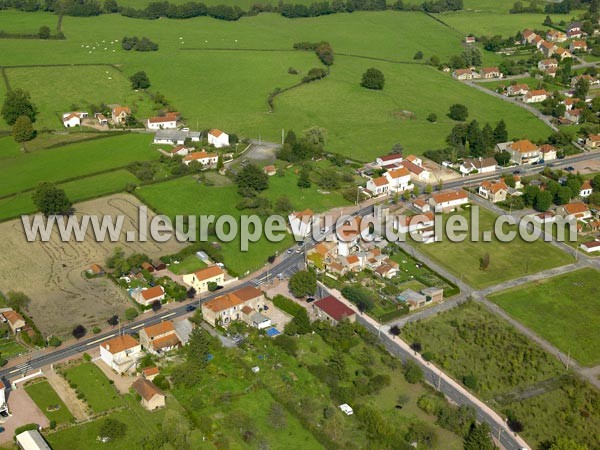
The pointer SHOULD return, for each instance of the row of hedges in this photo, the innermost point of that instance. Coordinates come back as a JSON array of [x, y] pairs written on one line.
[[287, 305]]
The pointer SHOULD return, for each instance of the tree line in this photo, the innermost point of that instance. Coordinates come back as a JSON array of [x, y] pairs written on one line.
[[155, 10]]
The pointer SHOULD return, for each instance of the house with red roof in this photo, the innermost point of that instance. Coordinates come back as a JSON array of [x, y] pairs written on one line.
[[586, 189], [393, 158], [201, 279], [448, 200], [578, 46], [593, 141], [536, 96], [399, 179], [218, 138], [494, 191], [574, 210], [205, 158], [589, 247], [120, 114], [517, 89], [146, 297], [333, 310], [378, 186], [301, 222], [166, 122], [121, 353]]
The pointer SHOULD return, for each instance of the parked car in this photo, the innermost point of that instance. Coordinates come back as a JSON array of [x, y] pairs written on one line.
[[310, 299], [190, 308]]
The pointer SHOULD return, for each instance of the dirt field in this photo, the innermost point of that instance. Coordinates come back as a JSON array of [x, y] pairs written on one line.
[[587, 167], [52, 273]]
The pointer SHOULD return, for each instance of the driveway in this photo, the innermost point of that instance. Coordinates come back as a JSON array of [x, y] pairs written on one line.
[[23, 411]]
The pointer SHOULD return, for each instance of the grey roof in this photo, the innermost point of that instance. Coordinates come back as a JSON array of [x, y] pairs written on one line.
[[183, 330], [431, 290], [409, 294], [176, 134], [259, 318], [32, 440]]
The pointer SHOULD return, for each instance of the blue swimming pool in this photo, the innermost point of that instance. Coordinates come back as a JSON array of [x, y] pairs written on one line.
[[272, 332]]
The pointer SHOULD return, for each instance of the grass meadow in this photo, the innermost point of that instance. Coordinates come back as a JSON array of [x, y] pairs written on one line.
[[508, 260], [554, 308], [88, 379], [46, 398], [17, 22], [56, 90], [211, 84], [23, 171]]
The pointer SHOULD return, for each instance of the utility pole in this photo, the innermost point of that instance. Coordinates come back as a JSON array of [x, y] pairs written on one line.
[[568, 359], [282, 136]]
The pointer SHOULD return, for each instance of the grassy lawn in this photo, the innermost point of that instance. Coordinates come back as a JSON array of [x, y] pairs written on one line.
[[47, 399], [77, 191], [9, 348], [511, 373], [187, 196], [19, 22], [554, 309], [90, 381], [508, 260], [187, 265], [25, 170], [395, 36], [531, 82], [139, 424], [79, 87]]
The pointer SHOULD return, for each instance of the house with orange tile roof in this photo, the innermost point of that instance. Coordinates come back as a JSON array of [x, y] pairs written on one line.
[[528, 36], [207, 159], [578, 46], [149, 373], [546, 64], [378, 186], [465, 74], [270, 170], [593, 141], [494, 191], [536, 96], [121, 353], [71, 119], [422, 205], [159, 338], [120, 114], [548, 48], [392, 158], [166, 122], [448, 200], [556, 36], [15, 321], [521, 152], [517, 89], [586, 189], [227, 308], [146, 297], [399, 179], [563, 53], [490, 72], [180, 150], [151, 397], [201, 279], [218, 138], [574, 210]]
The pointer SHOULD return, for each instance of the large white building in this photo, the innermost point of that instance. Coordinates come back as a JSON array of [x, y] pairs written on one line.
[[218, 138], [167, 122], [121, 353]]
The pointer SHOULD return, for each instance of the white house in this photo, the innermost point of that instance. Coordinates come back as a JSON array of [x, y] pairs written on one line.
[[72, 119], [546, 64], [180, 150], [413, 165], [301, 222], [574, 115], [393, 158], [399, 179], [205, 158], [408, 224], [146, 297], [478, 165], [167, 122], [448, 200], [517, 89], [218, 138], [31, 440], [201, 279], [589, 247], [121, 353], [378, 186], [586, 189], [536, 96], [548, 152], [521, 152]]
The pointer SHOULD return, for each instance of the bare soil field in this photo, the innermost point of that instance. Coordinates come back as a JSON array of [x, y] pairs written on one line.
[[52, 273]]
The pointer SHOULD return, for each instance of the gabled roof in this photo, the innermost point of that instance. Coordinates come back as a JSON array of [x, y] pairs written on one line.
[[380, 181], [152, 292], [524, 145], [308, 213], [248, 293], [549, 62], [399, 173], [12, 316], [586, 185], [120, 343], [223, 302], [215, 132], [519, 87], [448, 196], [575, 208], [208, 272], [352, 259], [537, 92], [146, 389], [199, 155], [490, 70], [412, 167], [480, 163], [334, 308], [547, 148], [494, 186], [170, 340], [149, 371], [594, 137], [390, 157], [117, 110], [159, 328]]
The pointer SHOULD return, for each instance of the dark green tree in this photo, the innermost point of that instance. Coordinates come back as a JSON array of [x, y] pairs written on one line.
[[582, 87], [418, 55], [220, 164], [17, 103], [44, 32], [373, 79], [51, 200], [304, 178], [139, 80], [251, 179], [500, 132], [22, 129], [303, 283], [198, 347], [112, 429], [478, 438], [110, 6], [543, 201], [458, 112]]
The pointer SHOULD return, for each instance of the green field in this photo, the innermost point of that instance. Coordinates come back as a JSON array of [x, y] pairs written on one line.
[[17, 22], [99, 394], [555, 308], [77, 191], [24, 171], [507, 260], [9, 348], [531, 82], [511, 373], [363, 125], [187, 265], [45, 397], [79, 87], [139, 424]]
